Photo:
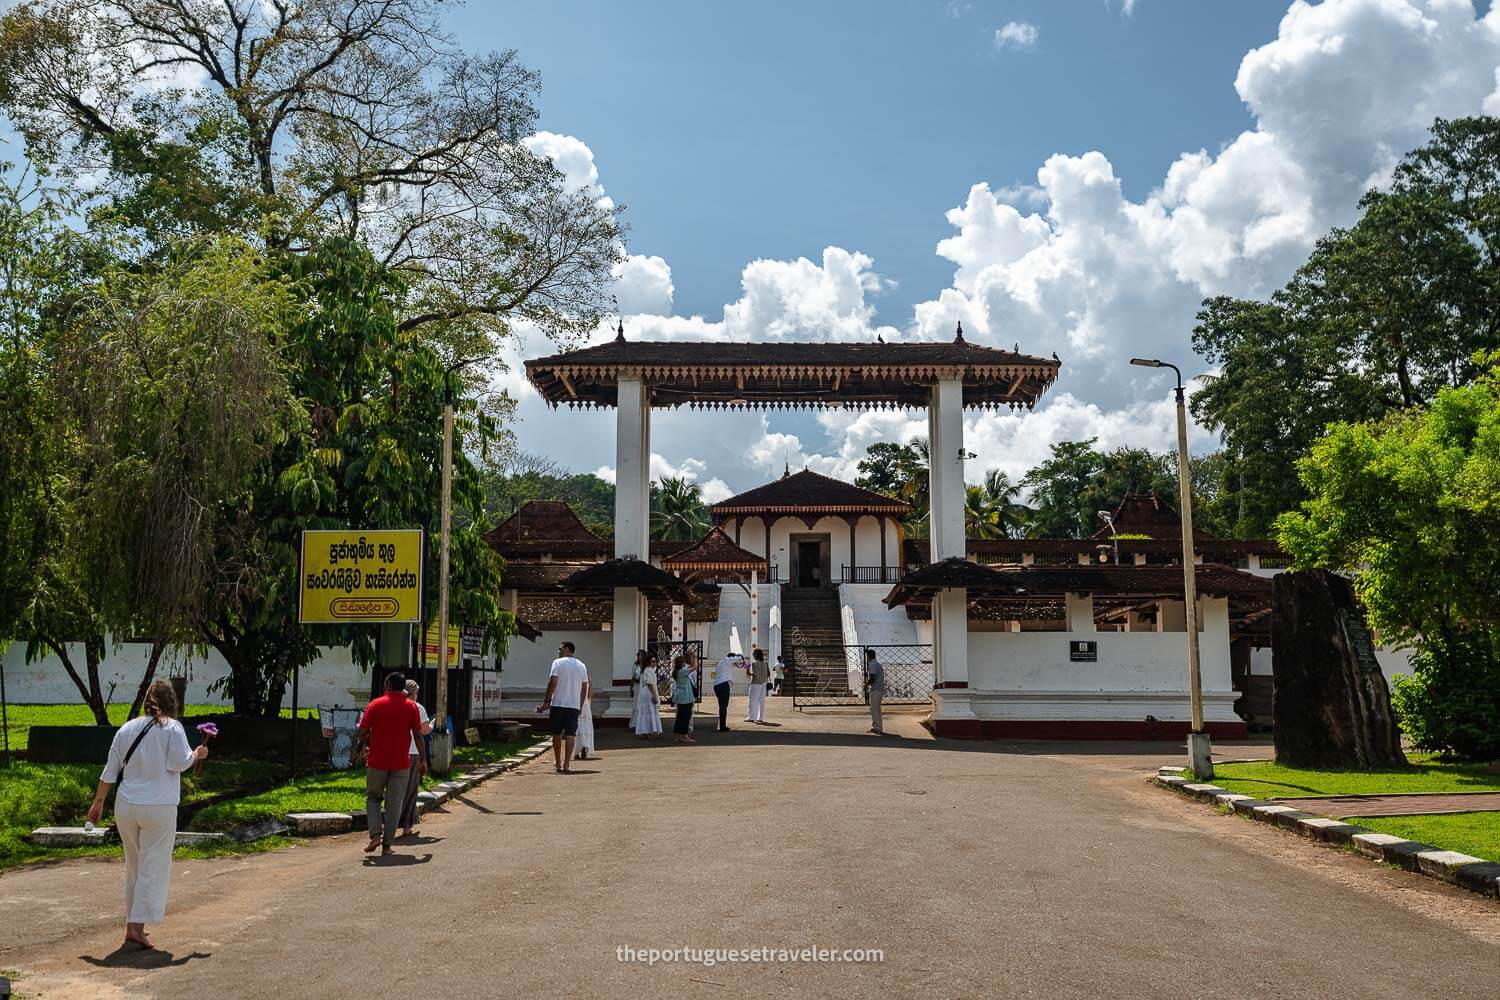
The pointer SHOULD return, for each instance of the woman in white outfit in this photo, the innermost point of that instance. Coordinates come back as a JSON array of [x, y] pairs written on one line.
[[760, 674], [147, 759], [647, 719]]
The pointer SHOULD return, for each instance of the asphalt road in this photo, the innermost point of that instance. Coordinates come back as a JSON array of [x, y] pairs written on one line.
[[980, 870]]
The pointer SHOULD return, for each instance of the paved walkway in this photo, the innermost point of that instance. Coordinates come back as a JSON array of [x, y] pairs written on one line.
[[982, 870], [1414, 804]]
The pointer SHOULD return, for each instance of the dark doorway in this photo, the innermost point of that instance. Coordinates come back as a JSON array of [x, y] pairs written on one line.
[[810, 567]]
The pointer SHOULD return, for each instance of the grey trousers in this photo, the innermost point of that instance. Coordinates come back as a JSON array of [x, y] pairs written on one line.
[[392, 786], [409, 800], [875, 697]]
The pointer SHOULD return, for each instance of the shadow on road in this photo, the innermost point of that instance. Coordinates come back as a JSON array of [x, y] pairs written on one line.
[[397, 860], [133, 956]]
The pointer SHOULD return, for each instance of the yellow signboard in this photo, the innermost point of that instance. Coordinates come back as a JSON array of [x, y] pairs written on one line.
[[431, 650], [360, 576]]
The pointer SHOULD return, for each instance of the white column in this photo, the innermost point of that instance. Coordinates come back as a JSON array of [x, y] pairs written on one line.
[[754, 608], [945, 424], [1079, 613], [950, 608], [632, 535]]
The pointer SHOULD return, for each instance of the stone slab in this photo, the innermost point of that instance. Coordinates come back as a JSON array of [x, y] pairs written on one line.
[[1444, 864], [1173, 770], [1247, 807], [1391, 849], [1203, 790], [1230, 798], [71, 836], [1373, 845], [1329, 830], [251, 832], [320, 824], [1288, 820], [1268, 813], [1173, 782], [193, 838], [1482, 877]]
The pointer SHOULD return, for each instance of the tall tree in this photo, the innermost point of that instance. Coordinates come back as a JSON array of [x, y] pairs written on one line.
[[1382, 316], [1070, 488], [299, 123], [1410, 506], [358, 446], [678, 513], [900, 471]]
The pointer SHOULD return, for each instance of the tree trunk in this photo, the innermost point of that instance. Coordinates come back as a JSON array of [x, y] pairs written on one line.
[[1332, 707], [88, 689], [157, 648]]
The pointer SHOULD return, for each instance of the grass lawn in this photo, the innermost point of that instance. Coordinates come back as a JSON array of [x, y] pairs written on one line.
[[235, 791], [330, 791], [1476, 833], [23, 717], [1269, 780]]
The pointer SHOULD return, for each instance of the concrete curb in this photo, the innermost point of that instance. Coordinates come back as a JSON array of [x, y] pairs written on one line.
[[329, 824], [1474, 874], [298, 824]]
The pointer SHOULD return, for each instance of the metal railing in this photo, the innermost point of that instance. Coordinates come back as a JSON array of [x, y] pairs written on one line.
[[834, 674], [870, 574]]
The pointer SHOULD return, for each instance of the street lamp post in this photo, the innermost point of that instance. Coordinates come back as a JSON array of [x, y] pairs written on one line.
[[1109, 519], [1200, 749]]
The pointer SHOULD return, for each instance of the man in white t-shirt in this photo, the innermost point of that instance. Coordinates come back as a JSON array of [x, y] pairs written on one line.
[[567, 693]]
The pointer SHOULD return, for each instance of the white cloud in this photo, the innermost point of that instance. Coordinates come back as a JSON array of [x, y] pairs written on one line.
[[573, 158], [643, 285], [1067, 262], [1016, 34]]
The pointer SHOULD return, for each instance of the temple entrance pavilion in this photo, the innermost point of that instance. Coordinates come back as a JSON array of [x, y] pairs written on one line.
[[945, 378]]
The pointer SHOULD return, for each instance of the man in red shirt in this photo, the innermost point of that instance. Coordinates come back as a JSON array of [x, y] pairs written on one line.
[[388, 726]]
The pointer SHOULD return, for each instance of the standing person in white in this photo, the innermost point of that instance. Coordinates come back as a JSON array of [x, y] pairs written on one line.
[[413, 773], [724, 684], [647, 718], [147, 759], [567, 693], [760, 673]]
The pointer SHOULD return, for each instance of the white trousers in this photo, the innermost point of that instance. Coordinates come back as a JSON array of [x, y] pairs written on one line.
[[757, 709], [148, 834]]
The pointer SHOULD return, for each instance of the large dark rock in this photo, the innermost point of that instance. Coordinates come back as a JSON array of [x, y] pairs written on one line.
[[1332, 705]]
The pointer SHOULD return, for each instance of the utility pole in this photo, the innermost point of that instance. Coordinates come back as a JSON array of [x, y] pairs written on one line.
[[441, 756], [1200, 748]]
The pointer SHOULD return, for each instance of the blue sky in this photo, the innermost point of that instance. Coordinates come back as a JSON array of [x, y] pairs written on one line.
[[1069, 176], [773, 129]]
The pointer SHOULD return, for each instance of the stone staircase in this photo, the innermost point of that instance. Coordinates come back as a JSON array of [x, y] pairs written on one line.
[[812, 633]]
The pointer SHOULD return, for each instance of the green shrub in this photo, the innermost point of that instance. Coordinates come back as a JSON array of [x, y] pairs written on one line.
[[1450, 703]]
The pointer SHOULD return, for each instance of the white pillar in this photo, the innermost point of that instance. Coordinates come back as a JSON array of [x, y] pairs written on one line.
[[945, 425], [754, 608], [1079, 613], [632, 535], [950, 608]]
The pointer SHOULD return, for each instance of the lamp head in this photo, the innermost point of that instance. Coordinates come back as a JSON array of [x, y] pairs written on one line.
[[1104, 515], [1146, 362]]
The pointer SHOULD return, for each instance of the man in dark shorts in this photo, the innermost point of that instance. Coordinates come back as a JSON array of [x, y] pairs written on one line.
[[567, 693]]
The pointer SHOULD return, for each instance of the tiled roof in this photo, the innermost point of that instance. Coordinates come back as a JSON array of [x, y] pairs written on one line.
[[1147, 514], [748, 375], [810, 491], [627, 572], [545, 526], [714, 550]]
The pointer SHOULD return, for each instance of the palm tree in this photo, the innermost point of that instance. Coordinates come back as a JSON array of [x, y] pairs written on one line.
[[1002, 494], [981, 515], [678, 513]]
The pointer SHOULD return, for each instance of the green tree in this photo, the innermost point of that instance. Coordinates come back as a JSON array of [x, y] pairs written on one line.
[[900, 471], [677, 510], [1410, 506], [1382, 316], [359, 445], [521, 477], [1003, 497], [1077, 481], [301, 123]]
